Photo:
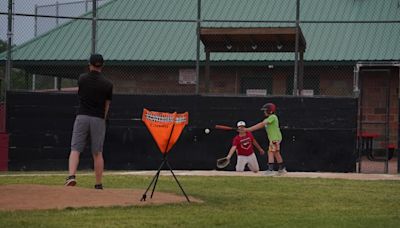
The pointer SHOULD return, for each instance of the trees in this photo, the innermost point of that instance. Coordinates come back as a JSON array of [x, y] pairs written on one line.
[[19, 79]]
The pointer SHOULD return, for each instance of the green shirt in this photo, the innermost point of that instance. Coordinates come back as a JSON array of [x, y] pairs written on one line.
[[272, 128]]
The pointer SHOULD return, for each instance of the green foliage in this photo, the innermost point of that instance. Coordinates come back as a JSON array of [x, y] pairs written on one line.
[[228, 202], [3, 46], [19, 78]]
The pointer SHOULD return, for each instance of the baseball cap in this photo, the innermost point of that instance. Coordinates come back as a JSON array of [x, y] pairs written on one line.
[[241, 123], [96, 60]]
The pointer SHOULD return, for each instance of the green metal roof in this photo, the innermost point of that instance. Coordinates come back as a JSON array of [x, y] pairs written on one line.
[[176, 41]]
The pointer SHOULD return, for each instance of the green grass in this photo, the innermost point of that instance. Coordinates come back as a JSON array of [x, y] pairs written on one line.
[[228, 202]]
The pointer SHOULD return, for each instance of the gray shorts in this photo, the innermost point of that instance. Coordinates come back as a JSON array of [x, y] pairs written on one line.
[[85, 127]]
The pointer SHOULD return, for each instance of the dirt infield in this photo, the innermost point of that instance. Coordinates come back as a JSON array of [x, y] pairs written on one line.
[[41, 197]]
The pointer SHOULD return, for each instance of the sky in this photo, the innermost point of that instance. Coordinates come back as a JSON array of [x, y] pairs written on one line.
[[23, 28]]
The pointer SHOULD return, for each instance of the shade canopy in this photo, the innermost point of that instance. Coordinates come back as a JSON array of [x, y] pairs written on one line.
[[266, 39]]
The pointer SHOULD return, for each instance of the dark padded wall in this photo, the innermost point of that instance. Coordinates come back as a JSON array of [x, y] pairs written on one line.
[[318, 133]]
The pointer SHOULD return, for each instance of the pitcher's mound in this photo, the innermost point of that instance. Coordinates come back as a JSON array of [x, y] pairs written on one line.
[[34, 197]]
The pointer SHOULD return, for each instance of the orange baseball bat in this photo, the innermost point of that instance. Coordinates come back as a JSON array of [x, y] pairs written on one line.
[[224, 127]]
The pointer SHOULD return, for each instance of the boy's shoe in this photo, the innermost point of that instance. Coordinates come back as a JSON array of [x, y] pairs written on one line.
[[269, 173], [70, 181], [98, 186], [282, 171]]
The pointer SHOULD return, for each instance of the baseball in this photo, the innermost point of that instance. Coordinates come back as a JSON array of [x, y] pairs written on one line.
[[206, 130]]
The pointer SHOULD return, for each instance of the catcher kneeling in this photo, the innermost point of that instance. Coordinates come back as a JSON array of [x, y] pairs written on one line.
[[243, 145]]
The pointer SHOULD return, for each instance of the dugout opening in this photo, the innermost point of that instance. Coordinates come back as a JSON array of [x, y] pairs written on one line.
[[376, 85]]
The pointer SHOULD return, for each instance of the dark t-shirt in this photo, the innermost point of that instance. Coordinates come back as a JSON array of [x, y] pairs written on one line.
[[93, 92]]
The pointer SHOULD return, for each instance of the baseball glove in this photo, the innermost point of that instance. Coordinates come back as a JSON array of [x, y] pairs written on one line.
[[223, 162]]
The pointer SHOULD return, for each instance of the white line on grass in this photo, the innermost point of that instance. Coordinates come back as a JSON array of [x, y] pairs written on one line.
[[350, 176]]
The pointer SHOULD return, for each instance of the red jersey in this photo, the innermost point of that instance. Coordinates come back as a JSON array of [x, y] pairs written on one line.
[[244, 144]]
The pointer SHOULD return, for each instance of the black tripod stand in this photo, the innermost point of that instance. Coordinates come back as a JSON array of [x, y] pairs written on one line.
[[155, 179]]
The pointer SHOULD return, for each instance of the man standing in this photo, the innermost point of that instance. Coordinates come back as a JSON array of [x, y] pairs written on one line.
[[95, 94]]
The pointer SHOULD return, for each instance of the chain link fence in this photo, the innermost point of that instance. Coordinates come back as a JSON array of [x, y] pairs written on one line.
[[158, 42], [209, 47]]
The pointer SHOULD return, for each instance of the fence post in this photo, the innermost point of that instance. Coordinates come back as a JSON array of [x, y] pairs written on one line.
[[57, 13], [94, 25], [57, 23], [296, 52], [9, 45], [198, 46], [35, 34], [7, 78]]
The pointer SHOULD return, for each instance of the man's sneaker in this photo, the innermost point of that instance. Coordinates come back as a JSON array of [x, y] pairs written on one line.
[[282, 171], [70, 181], [98, 186], [269, 173]]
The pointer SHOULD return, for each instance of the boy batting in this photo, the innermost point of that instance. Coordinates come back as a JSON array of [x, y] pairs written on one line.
[[271, 125]]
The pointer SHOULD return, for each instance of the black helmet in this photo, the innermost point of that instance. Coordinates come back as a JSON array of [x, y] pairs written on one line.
[[269, 108]]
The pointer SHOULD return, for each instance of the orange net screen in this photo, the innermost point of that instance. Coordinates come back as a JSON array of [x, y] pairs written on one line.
[[165, 127]]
